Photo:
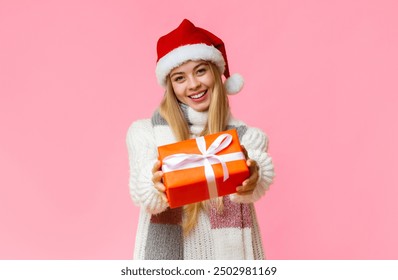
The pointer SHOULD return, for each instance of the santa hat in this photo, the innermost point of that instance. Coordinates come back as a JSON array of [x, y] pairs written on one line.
[[188, 42]]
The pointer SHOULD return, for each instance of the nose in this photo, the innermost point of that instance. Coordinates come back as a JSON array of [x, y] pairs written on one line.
[[193, 83]]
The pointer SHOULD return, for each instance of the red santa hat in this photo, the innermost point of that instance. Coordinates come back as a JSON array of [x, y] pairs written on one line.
[[188, 42]]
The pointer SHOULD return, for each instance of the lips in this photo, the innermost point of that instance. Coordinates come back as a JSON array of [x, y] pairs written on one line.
[[198, 95]]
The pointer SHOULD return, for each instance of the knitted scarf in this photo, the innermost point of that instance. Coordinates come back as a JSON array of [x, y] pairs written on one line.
[[165, 238]]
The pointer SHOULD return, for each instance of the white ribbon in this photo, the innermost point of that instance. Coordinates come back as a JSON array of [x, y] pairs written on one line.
[[206, 159]]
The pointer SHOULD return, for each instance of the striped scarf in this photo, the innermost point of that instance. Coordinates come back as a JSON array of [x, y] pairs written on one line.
[[165, 238]]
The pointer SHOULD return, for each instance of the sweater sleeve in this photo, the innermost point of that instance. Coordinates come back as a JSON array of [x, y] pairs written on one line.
[[256, 144], [142, 152]]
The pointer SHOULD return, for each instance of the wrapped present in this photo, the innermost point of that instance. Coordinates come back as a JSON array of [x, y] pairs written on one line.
[[202, 168]]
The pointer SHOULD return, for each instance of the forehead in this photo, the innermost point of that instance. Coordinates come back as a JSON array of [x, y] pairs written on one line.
[[187, 66]]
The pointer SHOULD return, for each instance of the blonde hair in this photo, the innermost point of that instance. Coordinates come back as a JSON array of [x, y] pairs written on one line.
[[218, 114]]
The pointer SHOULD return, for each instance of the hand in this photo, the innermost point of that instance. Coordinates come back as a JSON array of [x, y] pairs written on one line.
[[157, 176], [250, 183]]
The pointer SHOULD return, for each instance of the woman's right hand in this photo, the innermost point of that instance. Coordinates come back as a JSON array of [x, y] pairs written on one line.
[[157, 176]]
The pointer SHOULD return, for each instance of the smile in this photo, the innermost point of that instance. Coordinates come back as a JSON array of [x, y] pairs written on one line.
[[199, 95]]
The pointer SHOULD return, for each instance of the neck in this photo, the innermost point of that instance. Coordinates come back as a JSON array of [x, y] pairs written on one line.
[[194, 117], [196, 120]]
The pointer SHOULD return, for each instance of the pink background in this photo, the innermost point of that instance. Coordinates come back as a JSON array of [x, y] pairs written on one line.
[[321, 80]]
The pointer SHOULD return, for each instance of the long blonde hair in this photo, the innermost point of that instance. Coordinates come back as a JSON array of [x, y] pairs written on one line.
[[218, 114]]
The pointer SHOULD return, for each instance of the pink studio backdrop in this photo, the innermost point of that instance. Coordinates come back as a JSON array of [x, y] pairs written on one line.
[[320, 80]]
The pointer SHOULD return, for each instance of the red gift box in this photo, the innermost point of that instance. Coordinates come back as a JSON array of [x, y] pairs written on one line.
[[203, 168]]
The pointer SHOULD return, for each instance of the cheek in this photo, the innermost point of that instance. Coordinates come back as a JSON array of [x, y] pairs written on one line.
[[209, 81], [178, 92]]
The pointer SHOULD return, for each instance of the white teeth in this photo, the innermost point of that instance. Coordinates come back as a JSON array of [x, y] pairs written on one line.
[[199, 95]]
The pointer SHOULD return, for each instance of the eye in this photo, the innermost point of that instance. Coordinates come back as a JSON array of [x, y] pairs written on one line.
[[178, 79], [201, 71]]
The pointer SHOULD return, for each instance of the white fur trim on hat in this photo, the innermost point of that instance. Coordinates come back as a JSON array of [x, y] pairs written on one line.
[[234, 84], [182, 54]]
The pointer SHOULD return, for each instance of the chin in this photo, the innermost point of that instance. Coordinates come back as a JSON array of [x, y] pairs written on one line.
[[200, 108]]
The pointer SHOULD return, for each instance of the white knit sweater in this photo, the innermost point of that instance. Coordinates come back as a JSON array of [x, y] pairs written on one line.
[[142, 141]]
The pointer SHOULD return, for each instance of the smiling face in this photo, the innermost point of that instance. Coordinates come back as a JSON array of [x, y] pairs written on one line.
[[193, 84]]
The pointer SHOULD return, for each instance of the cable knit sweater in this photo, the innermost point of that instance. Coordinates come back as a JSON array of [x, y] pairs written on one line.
[[232, 234]]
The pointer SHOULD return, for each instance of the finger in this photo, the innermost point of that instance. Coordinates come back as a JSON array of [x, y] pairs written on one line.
[[240, 189], [253, 169], [252, 180], [156, 166], [157, 177], [252, 164], [245, 193], [249, 184], [246, 186], [164, 197], [160, 187]]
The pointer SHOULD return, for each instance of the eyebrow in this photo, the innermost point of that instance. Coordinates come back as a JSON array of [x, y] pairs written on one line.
[[197, 66]]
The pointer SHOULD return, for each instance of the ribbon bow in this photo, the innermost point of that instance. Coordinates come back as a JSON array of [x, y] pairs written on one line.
[[206, 159]]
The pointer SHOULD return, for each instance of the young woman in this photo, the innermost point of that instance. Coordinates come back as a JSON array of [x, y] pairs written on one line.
[[190, 65]]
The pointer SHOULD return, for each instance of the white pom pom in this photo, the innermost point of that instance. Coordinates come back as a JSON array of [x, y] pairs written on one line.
[[234, 84]]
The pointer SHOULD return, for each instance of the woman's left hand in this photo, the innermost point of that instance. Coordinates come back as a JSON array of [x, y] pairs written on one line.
[[250, 183]]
